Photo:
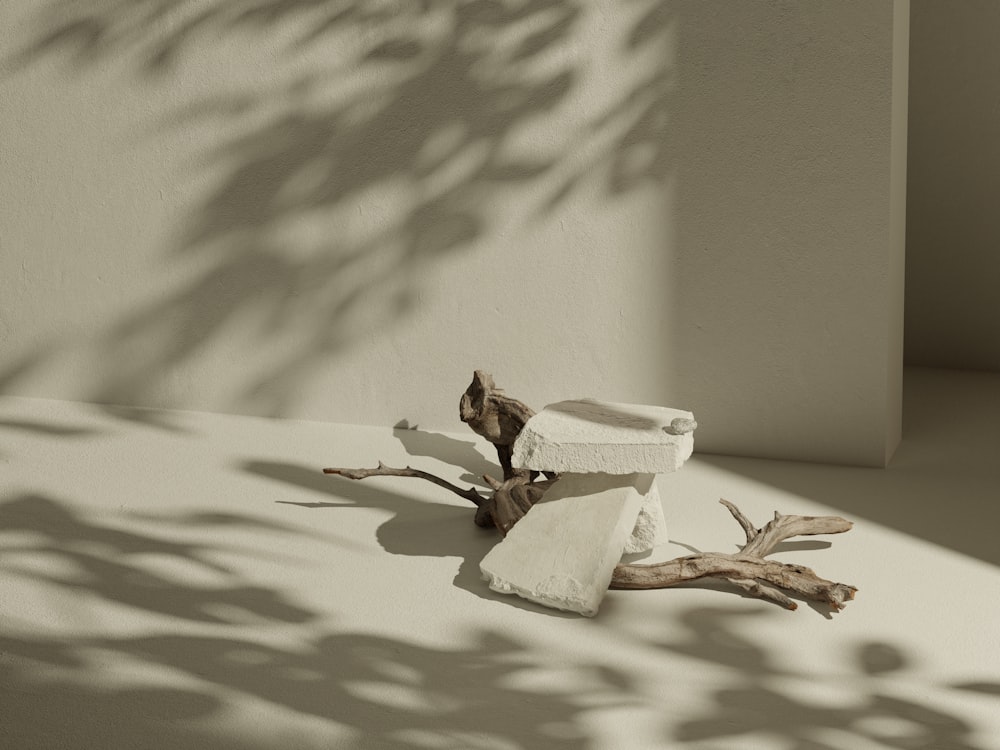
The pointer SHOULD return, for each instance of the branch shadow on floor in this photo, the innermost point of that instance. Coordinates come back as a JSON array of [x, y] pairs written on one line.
[[416, 528]]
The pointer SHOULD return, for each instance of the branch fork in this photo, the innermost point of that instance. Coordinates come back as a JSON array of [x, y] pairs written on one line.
[[748, 569]]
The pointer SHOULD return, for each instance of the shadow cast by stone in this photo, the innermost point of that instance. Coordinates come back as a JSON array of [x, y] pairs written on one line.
[[463, 453], [416, 528]]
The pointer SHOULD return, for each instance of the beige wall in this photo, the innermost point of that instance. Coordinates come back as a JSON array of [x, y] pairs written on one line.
[[336, 211], [790, 226], [953, 228]]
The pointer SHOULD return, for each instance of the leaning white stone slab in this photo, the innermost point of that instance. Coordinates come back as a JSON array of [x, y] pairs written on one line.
[[650, 527], [596, 436], [564, 550]]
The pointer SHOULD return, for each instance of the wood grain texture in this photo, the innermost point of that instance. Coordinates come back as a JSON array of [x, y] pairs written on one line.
[[748, 569]]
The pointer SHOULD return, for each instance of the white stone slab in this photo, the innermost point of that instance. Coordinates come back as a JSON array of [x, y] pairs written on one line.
[[650, 527], [597, 436], [563, 552]]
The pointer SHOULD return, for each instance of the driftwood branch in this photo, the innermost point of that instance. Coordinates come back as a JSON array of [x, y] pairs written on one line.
[[491, 413], [382, 470], [511, 499], [499, 418], [503, 508], [748, 569]]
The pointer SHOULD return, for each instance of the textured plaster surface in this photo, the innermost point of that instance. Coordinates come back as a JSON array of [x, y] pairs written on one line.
[[276, 211]]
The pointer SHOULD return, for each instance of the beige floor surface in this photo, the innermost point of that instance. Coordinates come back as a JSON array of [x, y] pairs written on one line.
[[183, 580]]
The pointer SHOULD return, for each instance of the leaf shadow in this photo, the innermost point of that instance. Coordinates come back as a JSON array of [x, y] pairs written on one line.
[[330, 203], [85, 556], [758, 698]]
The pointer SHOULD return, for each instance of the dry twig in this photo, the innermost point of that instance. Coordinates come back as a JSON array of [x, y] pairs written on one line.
[[387, 471], [503, 508]]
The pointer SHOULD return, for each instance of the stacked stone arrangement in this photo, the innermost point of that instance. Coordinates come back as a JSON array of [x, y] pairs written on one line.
[[605, 503], [599, 500]]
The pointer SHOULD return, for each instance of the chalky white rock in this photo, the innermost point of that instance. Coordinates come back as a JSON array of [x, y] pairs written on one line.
[[563, 552], [589, 436], [606, 503], [650, 527]]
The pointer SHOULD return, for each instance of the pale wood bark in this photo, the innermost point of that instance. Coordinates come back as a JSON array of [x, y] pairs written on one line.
[[748, 569]]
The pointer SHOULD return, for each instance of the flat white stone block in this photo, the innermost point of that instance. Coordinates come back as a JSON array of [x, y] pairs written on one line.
[[597, 436], [650, 527], [563, 552]]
